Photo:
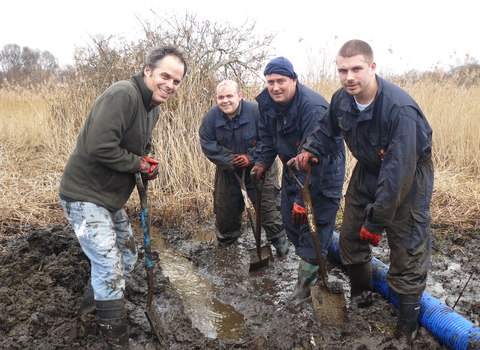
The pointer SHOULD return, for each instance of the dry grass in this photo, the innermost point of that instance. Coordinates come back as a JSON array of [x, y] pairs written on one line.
[[39, 130]]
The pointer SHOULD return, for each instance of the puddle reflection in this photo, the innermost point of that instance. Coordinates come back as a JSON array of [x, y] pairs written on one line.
[[212, 317]]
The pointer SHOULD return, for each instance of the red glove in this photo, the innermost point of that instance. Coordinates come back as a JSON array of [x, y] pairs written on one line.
[[367, 236], [257, 172], [149, 168], [299, 214], [241, 161], [304, 160]]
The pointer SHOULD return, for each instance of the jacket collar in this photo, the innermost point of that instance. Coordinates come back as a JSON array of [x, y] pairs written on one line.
[[349, 105], [267, 103], [242, 117], [145, 92]]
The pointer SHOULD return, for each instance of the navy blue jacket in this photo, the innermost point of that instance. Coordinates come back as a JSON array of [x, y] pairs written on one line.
[[222, 138], [284, 137], [391, 137]]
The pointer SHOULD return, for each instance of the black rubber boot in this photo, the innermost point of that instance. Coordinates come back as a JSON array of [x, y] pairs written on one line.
[[281, 245], [307, 277], [408, 311], [112, 320], [87, 306], [361, 284]]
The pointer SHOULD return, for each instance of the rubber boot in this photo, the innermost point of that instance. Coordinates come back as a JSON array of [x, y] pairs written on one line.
[[112, 320], [408, 311], [87, 305], [361, 284], [281, 245], [307, 277]]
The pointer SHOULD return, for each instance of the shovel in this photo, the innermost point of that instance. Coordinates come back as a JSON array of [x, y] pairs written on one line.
[[150, 310], [264, 254], [328, 300]]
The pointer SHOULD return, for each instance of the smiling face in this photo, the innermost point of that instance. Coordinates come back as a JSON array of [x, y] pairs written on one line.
[[358, 77], [281, 88], [228, 99], [164, 79]]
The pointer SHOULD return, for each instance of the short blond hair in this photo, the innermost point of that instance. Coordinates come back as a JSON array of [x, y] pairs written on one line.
[[229, 82]]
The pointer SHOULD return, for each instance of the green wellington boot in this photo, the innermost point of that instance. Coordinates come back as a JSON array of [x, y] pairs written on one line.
[[307, 277]]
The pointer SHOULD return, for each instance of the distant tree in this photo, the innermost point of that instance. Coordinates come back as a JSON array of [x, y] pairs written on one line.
[[48, 63], [214, 50], [30, 63], [26, 65], [10, 61], [106, 59]]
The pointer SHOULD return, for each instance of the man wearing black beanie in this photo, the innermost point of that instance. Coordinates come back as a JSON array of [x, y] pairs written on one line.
[[288, 113]]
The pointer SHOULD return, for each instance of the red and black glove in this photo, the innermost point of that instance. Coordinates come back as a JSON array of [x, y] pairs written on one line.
[[148, 168], [241, 161], [257, 172], [303, 161], [299, 214], [369, 237]]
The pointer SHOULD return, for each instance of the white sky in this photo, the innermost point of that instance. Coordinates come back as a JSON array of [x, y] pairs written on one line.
[[420, 34]]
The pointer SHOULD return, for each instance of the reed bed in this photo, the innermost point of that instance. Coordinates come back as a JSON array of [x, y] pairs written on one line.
[[39, 129]]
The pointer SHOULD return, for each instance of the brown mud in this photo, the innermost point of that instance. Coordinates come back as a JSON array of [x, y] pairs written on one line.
[[43, 273]]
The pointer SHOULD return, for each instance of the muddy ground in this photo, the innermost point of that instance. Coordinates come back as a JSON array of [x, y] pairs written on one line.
[[43, 273]]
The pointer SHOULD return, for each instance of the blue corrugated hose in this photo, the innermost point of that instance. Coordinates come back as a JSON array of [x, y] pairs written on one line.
[[450, 329]]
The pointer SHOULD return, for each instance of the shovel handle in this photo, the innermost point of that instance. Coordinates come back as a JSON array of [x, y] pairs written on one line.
[[246, 199], [258, 215], [312, 224], [142, 188]]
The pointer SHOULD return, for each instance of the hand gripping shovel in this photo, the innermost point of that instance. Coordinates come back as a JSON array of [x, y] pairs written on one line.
[[150, 311], [327, 298], [264, 254]]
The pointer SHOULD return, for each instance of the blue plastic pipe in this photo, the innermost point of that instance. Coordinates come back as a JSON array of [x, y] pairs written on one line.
[[450, 329]]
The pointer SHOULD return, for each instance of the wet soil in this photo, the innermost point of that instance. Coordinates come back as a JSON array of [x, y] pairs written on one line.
[[43, 273]]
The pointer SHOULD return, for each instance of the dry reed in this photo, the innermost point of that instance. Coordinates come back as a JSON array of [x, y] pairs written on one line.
[[39, 130]]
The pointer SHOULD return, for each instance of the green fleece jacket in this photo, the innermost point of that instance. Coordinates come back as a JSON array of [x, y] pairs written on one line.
[[116, 133]]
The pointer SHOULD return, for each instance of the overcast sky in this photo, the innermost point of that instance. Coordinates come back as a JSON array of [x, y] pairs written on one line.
[[409, 34]]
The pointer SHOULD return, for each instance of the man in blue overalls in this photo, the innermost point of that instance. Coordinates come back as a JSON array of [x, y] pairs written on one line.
[[391, 186], [229, 136], [288, 113]]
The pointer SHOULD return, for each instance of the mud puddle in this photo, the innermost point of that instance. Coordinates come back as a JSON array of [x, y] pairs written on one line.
[[212, 317]]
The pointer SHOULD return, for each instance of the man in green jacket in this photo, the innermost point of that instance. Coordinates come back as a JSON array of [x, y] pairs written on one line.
[[99, 177]]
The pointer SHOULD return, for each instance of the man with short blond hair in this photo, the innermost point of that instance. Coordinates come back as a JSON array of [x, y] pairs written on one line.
[[229, 136], [391, 185]]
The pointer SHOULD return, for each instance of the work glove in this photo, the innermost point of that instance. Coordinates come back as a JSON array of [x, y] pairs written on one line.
[[148, 168], [299, 214], [257, 172], [369, 237], [241, 161], [303, 161]]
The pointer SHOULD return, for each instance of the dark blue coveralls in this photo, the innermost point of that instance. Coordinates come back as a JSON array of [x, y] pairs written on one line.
[[221, 139], [392, 183], [284, 137]]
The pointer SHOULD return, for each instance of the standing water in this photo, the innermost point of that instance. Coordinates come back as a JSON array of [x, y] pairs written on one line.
[[212, 317]]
